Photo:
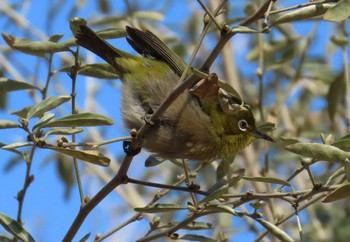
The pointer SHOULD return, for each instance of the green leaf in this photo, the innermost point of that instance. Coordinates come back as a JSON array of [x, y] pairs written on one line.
[[334, 175], [112, 33], [98, 70], [160, 208], [6, 124], [65, 170], [257, 204], [16, 145], [85, 238], [343, 143], [45, 119], [341, 40], [80, 119], [8, 85], [229, 180], [91, 156], [13, 227], [3, 238], [195, 237], [12, 150], [289, 141], [23, 112], [222, 169], [301, 13], [338, 12], [149, 15], [55, 38], [37, 48], [192, 226], [347, 169], [273, 229], [47, 105], [266, 127], [268, 180], [318, 151], [63, 131], [215, 194], [319, 69], [221, 209], [335, 95], [153, 160], [340, 193], [244, 29]]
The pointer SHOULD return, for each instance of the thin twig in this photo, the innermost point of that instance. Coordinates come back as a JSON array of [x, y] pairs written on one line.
[[48, 77], [27, 181], [73, 76], [95, 145], [212, 17]]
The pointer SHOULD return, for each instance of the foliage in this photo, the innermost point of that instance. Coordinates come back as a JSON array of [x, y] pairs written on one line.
[[265, 188]]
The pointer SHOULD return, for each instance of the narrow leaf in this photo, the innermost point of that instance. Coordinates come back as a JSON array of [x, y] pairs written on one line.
[[334, 175], [149, 15], [289, 141], [8, 85], [37, 48], [23, 112], [47, 105], [340, 193], [273, 229], [193, 225], [80, 119], [16, 145], [335, 94], [301, 13], [244, 30], [63, 131], [338, 12], [85, 238], [215, 194], [98, 70], [266, 127], [268, 180], [13, 227], [6, 124], [229, 180], [55, 38], [195, 237], [45, 119], [347, 169], [343, 143], [153, 160], [91, 156], [318, 151], [160, 208], [221, 209]]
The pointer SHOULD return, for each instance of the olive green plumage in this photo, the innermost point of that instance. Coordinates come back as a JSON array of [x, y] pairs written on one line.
[[190, 128]]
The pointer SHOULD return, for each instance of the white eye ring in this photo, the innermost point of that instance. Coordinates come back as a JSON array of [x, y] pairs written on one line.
[[243, 125]]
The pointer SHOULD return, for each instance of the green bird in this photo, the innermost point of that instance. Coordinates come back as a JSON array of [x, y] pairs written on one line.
[[191, 128]]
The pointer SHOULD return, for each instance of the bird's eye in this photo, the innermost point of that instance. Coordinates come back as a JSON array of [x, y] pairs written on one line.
[[243, 125]]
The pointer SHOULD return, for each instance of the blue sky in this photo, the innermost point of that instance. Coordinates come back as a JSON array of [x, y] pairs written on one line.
[[47, 214]]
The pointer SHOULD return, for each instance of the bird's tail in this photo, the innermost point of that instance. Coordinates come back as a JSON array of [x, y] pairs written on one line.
[[88, 39]]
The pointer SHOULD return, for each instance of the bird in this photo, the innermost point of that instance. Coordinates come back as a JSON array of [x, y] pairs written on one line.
[[191, 128]]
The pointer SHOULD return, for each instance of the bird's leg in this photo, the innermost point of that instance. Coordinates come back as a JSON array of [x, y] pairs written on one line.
[[188, 182], [148, 114]]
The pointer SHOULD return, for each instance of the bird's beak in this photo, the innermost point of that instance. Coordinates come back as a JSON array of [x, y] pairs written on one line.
[[261, 135]]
